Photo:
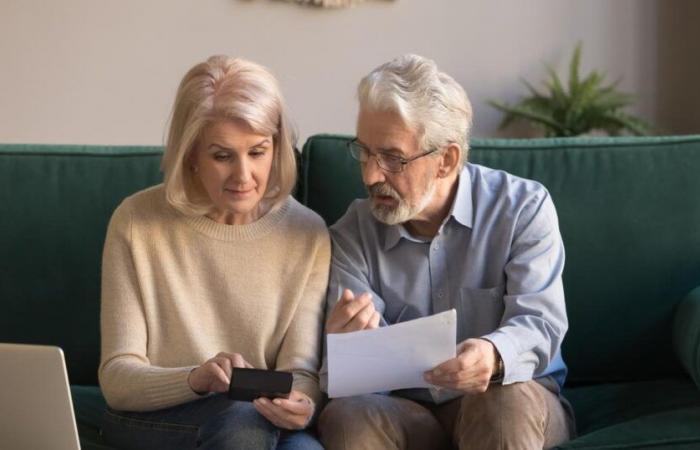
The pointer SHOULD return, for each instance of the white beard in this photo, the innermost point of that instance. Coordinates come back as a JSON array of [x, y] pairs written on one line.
[[403, 212]]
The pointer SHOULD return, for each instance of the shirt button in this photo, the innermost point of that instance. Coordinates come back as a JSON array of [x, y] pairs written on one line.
[[439, 294]]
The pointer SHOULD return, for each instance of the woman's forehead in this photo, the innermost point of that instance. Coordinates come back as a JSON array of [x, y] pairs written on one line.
[[233, 132]]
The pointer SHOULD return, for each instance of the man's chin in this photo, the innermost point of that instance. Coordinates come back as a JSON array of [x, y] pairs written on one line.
[[388, 216]]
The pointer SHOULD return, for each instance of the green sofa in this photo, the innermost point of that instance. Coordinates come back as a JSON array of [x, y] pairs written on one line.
[[629, 210]]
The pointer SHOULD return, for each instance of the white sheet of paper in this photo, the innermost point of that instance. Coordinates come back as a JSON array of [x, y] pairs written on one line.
[[389, 358]]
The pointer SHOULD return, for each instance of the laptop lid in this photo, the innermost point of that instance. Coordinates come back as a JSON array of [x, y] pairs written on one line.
[[36, 410]]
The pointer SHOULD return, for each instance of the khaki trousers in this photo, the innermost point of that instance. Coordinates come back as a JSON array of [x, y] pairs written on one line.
[[522, 416]]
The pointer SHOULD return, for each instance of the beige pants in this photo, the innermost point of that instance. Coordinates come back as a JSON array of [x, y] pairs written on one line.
[[522, 416]]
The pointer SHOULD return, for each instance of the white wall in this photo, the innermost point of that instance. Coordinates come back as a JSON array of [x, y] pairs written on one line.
[[105, 72]]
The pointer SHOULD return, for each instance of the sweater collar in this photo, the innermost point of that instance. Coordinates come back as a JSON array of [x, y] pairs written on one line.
[[247, 232]]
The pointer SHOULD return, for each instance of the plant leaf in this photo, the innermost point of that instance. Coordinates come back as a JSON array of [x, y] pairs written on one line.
[[574, 68], [556, 89], [520, 112], [588, 105]]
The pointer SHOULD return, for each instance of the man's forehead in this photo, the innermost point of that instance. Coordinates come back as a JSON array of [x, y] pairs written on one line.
[[386, 130]]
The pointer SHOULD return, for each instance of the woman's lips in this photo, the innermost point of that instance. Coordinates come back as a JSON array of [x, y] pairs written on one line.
[[238, 192]]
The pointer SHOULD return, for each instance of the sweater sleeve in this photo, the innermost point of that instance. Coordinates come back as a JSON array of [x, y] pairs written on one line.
[[127, 378], [302, 343]]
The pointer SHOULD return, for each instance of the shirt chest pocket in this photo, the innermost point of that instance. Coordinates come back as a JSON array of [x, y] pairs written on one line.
[[479, 311]]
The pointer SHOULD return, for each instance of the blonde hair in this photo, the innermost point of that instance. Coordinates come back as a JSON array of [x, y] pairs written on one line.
[[427, 100], [225, 88]]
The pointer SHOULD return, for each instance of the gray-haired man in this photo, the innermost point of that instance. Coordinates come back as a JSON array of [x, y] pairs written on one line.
[[437, 234]]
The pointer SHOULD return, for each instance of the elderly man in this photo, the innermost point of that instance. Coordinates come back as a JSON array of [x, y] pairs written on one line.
[[438, 233]]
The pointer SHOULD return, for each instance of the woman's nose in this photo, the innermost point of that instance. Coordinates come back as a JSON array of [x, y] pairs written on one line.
[[240, 171]]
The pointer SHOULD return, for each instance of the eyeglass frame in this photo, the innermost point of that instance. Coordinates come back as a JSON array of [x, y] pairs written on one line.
[[354, 143]]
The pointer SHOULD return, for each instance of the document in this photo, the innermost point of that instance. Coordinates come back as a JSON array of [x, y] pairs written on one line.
[[392, 357]]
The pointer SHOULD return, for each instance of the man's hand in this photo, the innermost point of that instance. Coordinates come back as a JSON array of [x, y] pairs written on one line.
[[291, 414], [352, 313], [215, 374], [470, 371]]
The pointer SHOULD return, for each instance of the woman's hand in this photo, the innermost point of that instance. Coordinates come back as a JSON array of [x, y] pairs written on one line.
[[291, 414], [215, 374]]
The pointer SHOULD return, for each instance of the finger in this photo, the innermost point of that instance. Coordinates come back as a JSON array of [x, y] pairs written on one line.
[[336, 319], [297, 418], [361, 319], [463, 361], [347, 296], [300, 407], [220, 380], [344, 312], [361, 301], [473, 376], [237, 360], [265, 412], [464, 386], [277, 415], [374, 321], [456, 377], [224, 362]]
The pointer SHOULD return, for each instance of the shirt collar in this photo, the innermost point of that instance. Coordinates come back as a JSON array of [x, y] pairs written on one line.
[[394, 233], [462, 207], [461, 210]]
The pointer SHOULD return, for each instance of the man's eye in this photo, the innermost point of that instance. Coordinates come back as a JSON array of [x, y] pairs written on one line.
[[391, 159]]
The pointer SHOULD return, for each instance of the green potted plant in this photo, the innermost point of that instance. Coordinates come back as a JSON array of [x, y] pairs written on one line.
[[588, 105]]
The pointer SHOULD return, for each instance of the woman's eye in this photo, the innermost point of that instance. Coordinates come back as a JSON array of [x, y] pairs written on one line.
[[257, 153], [221, 156]]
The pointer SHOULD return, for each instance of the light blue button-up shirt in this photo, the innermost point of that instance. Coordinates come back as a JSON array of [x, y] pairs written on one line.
[[497, 259]]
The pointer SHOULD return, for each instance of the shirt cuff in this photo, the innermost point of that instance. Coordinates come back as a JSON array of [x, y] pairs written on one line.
[[509, 355]]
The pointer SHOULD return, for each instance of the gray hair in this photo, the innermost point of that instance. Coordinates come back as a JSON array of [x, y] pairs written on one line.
[[429, 101], [225, 88]]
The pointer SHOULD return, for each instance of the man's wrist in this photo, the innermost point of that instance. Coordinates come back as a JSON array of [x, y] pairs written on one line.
[[498, 368]]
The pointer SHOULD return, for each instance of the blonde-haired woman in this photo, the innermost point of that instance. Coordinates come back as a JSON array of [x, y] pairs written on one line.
[[217, 268]]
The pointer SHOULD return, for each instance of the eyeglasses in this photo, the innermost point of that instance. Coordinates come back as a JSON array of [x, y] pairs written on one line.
[[386, 161]]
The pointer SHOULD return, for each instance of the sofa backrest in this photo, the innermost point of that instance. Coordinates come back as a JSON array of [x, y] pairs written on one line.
[[55, 203], [629, 212]]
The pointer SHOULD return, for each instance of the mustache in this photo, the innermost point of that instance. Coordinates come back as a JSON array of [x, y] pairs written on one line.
[[384, 190]]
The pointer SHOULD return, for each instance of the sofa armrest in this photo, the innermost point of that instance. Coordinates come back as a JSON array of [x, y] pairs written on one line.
[[686, 333]]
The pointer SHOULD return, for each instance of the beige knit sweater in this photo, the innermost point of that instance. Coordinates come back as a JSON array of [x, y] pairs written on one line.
[[177, 290]]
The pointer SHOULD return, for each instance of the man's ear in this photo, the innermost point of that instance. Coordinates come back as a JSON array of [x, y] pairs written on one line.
[[450, 161]]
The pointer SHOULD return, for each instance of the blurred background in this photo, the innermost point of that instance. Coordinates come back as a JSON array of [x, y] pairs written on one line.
[[105, 72]]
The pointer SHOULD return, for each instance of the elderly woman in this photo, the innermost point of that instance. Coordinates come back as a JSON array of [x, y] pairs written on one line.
[[217, 268]]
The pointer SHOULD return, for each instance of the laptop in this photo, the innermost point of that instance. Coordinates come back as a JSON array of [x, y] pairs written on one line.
[[36, 410]]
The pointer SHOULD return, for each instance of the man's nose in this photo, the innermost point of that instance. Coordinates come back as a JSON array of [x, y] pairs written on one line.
[[371, 172]]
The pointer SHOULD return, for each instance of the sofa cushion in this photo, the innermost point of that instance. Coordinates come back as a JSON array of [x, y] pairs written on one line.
[[604, 405], [89, 405], [675, 429], [605, 413], [629, 211], [56, 202], [686, 334]]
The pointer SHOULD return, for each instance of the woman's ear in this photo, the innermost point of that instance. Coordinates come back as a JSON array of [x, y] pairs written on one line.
[[451, 160], [191, 159]]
